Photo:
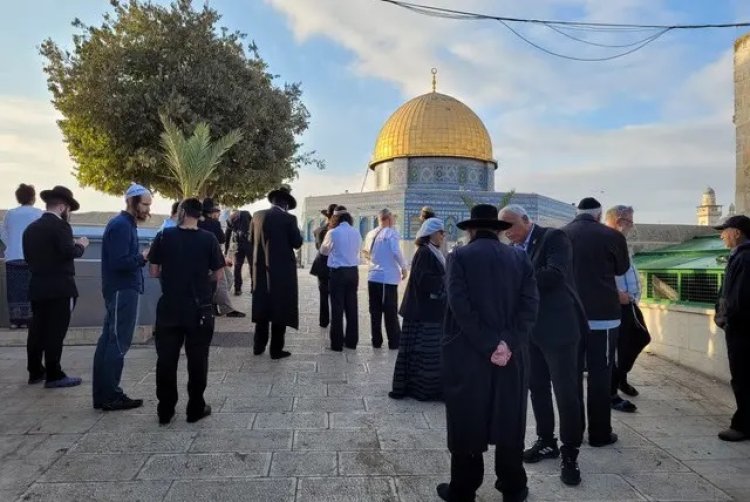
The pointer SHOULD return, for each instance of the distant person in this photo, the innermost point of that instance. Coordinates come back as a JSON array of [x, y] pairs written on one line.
[[238, 240], [186, 259], [274, 236], [172, 220], [555, 342], [387, 268], [633, 335], [417, 370], [733, 316], [319, 267], [426, 213], [49, 249], [342, 245], [210, 220], [17, 274], [492, 306], [599, 255]]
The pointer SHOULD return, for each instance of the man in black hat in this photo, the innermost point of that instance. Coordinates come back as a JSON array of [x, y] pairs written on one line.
[[733, 316], [186, 259], [492, 307], [599, 255], [273, 238], [210, 220], [49, 249], [238, 239], [320, 267]]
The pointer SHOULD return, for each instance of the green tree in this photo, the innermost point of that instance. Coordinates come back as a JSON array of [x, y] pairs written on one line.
[[145, 59], [192, 161]]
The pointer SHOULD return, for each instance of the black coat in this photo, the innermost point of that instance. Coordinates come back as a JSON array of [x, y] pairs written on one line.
[[273, 238], [733, 307], [561, 319], [319, 266], [49, 250], [213, 226], [424, 298], [599, 254], [238, 230], [492, 297]]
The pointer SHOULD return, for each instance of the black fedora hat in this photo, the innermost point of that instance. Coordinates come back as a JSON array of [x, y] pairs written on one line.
[[484, 216], [329, 212], [209, 206], [284, 192], [61, 193]]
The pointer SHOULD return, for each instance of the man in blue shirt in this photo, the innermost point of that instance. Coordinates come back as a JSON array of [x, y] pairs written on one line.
[[122, 285]]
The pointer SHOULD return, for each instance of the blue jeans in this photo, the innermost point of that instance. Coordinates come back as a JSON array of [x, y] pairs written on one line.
[[117, 335]]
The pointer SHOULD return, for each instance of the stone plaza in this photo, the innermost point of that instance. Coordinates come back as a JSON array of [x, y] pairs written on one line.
[[319, 427]]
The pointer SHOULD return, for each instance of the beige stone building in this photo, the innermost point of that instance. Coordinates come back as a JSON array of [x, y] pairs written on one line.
[[742, 122]]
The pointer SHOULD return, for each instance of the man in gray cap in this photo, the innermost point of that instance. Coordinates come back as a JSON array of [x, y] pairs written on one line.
[[599, 254]]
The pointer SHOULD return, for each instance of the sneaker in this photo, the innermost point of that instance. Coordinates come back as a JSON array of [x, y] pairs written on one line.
[[606, 441], [122, 403], [191, 419], [733, 435], [623, 405], [570, 474], [541, 450], [628, 389], [63, 382], [281, 355], [235, 313]]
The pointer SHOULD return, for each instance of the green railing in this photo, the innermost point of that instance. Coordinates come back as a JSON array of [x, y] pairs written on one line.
[[685, 287]]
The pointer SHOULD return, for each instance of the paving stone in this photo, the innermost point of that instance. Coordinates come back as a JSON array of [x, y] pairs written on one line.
[[18, 423], [299, 390], [610, 460], [304, 463], [695, 448], [358, 390], [404, 439], [389, 463], [206, 466], [678, 487], [94, 467], [334, 377], [727, 474], [67, 423], [336, 440], [328, 404], [259, 404], [680, 426], [241, 441], [386, 404], [346, 489], [233, 490], [127, 491], [120, 422], [302, 420], [372, 420], [135, 442]]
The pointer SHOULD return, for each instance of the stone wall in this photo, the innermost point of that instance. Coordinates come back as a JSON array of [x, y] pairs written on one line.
[[742, 122], [689, 337], [650, 236]]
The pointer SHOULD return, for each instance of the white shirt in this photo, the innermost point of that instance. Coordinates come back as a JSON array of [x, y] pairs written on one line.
[[16, 221], [386, 259], [630, 283], [341, 245]]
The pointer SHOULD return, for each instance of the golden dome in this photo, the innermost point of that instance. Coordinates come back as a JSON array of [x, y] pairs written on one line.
[[433, 125]]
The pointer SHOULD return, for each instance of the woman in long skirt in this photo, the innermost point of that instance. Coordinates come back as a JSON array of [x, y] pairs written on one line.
[[417, 372]]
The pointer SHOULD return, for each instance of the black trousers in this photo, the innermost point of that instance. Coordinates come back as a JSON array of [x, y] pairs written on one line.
[[384, 303], [260, 340], [467, 474], [324, 318], [343, 285], [556, 368], [738, 350], [169, 341], [49, 325], [598, 353], [631, 340], [242, 254]]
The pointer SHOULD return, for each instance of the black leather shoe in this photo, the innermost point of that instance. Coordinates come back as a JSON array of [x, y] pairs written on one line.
[[444, 491], [628, 389], [191, 419], [605, 441], [35, 379], [236, 314], [281, 355], [258, 352], [519, 496], [123, 403], [166, 418], [396, 395]]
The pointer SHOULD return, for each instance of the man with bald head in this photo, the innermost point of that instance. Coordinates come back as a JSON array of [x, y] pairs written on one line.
[[554, 342]]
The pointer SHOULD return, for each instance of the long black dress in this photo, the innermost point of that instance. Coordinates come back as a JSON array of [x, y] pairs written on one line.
[[417, 371]]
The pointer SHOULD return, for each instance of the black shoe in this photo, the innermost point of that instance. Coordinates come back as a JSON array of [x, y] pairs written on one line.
[[733, 435], [541, 450], [519, 496], [122, 403], [570, 474], [628, 389], [444, 491], [235, 313], [35, 379], [396, 395], [166, 418], [620, 404], [351, 346], [237, 292], [258, 352], [191, 419], [281, 355], [377, 345], [606, 441]]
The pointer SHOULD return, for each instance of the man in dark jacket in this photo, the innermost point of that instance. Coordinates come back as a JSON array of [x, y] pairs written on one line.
[[733, 316], [210, 220], [492, 306], [320, 267], [599, 254], [273, 238], [238, 233], [555, 340], [49, 249], [122, 285]]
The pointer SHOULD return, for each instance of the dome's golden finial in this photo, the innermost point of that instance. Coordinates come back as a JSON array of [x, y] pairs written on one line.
[[434, 79]]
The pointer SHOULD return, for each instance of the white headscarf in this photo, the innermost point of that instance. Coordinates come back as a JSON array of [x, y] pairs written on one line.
[[135, 190], [429, 227]]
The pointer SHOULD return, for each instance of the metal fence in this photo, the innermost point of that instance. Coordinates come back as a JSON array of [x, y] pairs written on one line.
[[692, 287]]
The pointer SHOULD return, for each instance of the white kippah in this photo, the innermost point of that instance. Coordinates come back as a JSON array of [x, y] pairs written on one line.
[[134, 190]]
